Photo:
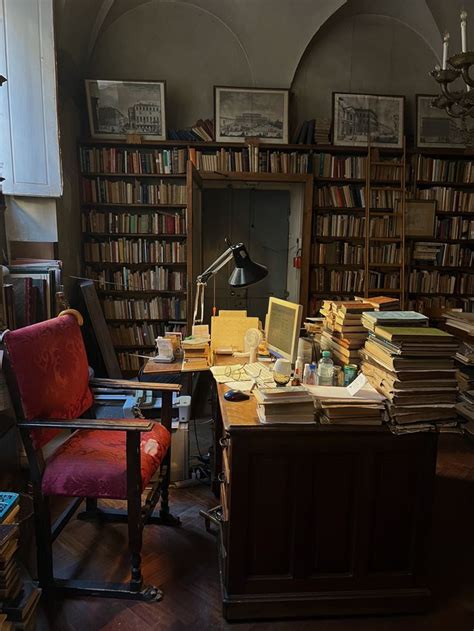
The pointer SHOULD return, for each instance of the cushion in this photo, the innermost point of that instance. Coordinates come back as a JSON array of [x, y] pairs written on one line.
[[93, 463], [51, 369]]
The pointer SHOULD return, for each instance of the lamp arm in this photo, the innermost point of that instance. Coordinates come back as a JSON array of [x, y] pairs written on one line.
[[214, 267], [201, 282]]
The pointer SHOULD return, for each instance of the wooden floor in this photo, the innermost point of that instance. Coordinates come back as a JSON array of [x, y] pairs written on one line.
[[183, 563]]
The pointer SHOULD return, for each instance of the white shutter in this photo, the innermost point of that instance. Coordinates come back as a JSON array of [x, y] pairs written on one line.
[[29, 144]]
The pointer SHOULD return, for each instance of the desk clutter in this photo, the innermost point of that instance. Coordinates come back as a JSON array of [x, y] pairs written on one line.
[[18, 597]]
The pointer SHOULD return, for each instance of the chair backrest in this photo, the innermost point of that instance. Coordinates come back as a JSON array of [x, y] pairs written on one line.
[[49, 363], [101, 330]]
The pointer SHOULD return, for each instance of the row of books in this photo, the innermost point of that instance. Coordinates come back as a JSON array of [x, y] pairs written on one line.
[[126, 250], [102, 191], [446, 254], [337, 252], [135, 223], [327, 165], [251, 160], [143, 334], [434, 282], [437, 304], [141, 309], [117, 160], [347, 196], [201, 131], [352, 281], [153, 279], [332, 225], [455, 228], [412, 365], [449, 199], [132, 363], [439, 170], [314, 131]]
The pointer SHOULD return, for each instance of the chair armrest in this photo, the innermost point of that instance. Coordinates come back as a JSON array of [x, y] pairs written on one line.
[[124, 384], [125, 425]]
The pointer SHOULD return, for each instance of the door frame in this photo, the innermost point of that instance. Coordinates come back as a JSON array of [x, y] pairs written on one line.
[[306, 181]]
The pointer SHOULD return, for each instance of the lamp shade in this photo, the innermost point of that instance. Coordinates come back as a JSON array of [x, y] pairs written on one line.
[[246, 272]]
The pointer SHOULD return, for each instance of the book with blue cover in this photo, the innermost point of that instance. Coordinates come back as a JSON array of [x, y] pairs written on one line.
[[371, 319]]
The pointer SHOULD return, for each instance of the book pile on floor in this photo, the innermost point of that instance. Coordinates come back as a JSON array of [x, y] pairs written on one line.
[[339, 406], [291, 404], [343, 333], [18, 598], [462, 326], [413, 367]]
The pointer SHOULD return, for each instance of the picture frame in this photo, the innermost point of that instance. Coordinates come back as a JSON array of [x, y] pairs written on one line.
[[241, 113], [435, 128], [119, 108], [420, 216], [356, 115]]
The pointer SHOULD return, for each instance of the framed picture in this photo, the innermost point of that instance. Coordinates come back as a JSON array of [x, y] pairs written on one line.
[[355, 116], [419, 217], [435, 128], [118, 108], [251, 112]]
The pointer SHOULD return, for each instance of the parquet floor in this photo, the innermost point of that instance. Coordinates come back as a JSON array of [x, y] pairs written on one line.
[[183, 562]]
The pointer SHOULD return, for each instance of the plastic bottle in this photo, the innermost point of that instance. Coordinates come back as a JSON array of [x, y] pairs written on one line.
[[325, 369], [299, 367], [309, 375]]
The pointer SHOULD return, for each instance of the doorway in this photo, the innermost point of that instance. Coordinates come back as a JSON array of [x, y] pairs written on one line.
[[260, 220]]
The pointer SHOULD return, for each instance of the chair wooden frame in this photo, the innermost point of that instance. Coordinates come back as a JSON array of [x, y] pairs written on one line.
[[136, 515]]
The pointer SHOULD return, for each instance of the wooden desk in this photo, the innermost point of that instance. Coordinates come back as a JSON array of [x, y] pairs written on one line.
[[156, 368], [320, 520]]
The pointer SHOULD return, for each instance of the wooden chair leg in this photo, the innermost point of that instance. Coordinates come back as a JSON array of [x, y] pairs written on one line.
[[134, 509], [44, 543]]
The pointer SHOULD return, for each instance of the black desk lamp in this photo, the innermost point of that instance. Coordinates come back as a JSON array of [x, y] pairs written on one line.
[[246, 273]]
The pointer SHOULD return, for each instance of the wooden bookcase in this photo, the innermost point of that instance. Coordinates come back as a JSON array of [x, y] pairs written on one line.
[[342, 185], [448, 281]]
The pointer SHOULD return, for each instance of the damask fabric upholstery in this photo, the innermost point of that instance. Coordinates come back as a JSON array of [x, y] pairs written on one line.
[[92, 463], [50, 365]]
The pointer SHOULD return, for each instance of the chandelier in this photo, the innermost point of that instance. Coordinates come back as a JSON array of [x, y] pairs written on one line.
[[457, 103]]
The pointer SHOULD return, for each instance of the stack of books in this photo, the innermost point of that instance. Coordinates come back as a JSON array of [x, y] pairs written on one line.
[[18, 598], [291, 404], [196, 352], [372, 319], [322, 131], [462, 326], [413, 367], [343, 333], [381, 303], [338, 406]]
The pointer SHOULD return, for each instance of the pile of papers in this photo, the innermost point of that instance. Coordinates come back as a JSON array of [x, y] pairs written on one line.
[[196, 351], [345, 406], [292, 404], [343, 333], [413, 367]]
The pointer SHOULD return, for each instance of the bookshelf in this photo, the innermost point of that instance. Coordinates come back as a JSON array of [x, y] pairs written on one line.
[[137, 218], [137, 242], [439, 269], [358, 229]]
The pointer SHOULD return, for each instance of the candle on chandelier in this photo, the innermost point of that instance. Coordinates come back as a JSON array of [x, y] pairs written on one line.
[[445, 50], [463, 31]]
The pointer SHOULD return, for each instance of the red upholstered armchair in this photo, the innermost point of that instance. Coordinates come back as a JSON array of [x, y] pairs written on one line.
[[47, 371]]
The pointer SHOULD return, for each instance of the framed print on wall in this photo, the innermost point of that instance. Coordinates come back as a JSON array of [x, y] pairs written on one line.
[[251, 112], [357, 115], [435, 128], [118, 108], [420, 215]]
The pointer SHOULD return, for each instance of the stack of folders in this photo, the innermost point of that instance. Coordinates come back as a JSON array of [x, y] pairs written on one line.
[[413, 367], [343, 333], [337, 406], [292, 404]]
